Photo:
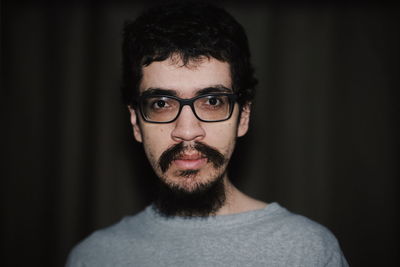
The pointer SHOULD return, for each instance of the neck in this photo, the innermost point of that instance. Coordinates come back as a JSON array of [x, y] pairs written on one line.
[[238, 202]]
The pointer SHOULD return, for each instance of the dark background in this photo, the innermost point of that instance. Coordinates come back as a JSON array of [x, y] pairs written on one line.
[[322, 143]]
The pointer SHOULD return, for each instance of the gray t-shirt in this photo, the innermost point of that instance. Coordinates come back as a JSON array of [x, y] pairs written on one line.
[[272, 236]]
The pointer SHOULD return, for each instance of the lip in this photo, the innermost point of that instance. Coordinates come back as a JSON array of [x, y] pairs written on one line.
[[190, 162]]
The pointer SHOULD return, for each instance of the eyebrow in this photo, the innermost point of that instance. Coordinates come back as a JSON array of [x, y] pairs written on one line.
[[214, 89], [169, 92], [159, 91]]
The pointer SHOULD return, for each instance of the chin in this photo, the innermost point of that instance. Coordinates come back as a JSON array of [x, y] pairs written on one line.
[[188, 196], [190, 181]]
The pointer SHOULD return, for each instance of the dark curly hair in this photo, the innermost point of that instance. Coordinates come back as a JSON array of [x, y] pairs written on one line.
[[191, 30]]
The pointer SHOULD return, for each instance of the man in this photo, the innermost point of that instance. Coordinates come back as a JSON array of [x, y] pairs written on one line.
[[188, 85]]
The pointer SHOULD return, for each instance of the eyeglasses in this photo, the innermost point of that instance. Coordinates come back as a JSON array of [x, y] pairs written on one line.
[[207, 108]]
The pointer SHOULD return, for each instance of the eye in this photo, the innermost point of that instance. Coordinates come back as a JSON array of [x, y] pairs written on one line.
[[213, 101], [160, 103]]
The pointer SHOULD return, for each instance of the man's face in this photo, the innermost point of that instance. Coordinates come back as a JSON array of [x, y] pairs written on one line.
[[191, 169]]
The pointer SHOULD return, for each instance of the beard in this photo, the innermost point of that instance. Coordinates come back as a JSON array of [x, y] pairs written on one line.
[[204, 199]]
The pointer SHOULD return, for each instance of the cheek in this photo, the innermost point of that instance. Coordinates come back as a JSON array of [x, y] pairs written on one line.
[[222, 136], [155, 141]]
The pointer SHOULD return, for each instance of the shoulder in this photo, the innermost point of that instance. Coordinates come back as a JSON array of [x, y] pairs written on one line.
[[303, 228], [307, 241], [101, 245]]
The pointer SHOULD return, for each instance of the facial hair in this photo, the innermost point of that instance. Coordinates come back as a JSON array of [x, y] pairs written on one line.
[[205, 200], [173, 153]]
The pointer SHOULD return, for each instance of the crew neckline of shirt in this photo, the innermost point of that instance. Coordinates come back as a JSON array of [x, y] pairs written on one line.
[[219, 220]]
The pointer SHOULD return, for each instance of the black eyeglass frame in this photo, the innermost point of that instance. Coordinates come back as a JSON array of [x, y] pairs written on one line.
[[189, 102]]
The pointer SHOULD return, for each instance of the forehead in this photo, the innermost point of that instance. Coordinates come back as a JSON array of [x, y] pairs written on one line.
[[171, 74]]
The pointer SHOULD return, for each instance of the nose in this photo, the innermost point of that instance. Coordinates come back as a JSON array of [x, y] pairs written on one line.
[[187, 127]]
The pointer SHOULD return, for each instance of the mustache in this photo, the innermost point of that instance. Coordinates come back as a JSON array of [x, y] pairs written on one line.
[[173, 153]]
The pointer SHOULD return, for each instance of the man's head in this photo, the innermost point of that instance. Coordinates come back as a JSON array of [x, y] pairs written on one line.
[[188, 83]]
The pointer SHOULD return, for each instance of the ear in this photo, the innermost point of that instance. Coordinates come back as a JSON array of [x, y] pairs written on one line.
[[137, 132], [244, 120]]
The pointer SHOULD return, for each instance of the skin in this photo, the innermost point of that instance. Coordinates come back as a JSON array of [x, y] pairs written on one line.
[[186, 81]]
